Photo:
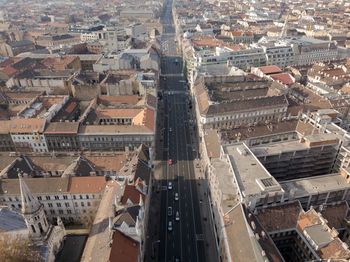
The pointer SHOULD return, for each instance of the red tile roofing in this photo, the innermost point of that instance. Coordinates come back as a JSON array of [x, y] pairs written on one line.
[[284, 78], [270, 69]]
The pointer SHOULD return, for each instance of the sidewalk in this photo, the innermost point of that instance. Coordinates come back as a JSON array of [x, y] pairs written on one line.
[[207, 225]]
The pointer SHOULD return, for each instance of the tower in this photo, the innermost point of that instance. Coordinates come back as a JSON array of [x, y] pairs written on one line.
[[33, 213]]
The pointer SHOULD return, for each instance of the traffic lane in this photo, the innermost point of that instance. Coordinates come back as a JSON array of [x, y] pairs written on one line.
[[196, 209], [176, 207], [163, 225], [189, 244], [175, 234], [195, 216], [194, 183]]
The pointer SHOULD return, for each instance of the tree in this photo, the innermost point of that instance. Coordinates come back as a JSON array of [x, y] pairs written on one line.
[[16, 249]]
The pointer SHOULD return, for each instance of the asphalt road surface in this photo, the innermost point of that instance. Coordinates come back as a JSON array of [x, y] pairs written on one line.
[[185, 241]]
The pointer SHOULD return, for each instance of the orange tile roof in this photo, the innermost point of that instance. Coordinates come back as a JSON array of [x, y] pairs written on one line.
[[71, 107], [131, 193], [86, 185], [117, 100], [308, 218], [233, 47], [10, 61], [335, 215], [236, 33], [59, 60], [149, 118], [124, 249], [279, 217], [10, 71], [27, 125], [117, 112], [207, 43], [334, 72], [334, 250], [115, 162], [284, 78], [270, 69]]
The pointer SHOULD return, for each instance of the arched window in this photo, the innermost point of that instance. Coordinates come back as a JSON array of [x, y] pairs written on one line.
[[33, 229], [41, 228]]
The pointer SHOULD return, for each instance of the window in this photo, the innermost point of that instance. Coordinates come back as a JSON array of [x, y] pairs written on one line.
[[65, 197], [57, 197], [58, 204], [88, 203], [52, 212], [74, 197], [66, 204], [87, 196], [76, 204], [69, 211], [49, 204], [39, 198], [47, 197], [81, 197], [60, 212], [82, 204]]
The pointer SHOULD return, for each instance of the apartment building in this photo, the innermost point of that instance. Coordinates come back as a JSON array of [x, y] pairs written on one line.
[[223, 105], [70, 198]]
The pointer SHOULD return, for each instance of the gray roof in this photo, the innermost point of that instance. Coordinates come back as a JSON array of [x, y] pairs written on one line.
[[43, 185], [61, 37], [128, 215], [20, 43], [319, 234], [62, 128], [11, 221], [242, 243], [248, 104]]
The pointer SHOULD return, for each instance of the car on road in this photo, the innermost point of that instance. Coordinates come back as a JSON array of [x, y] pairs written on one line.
[[170, 161], [170, 129], [170, 185], [170, 211], [170, 226], [176, 197], [177, 216], [177, 259]]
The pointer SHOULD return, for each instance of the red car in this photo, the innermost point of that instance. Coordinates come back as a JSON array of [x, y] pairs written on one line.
[[170, 162]]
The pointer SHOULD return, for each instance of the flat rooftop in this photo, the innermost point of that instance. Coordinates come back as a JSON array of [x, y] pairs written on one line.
[[314, 185], [226, 184], [290, 146], [319, 234], [251, 175]]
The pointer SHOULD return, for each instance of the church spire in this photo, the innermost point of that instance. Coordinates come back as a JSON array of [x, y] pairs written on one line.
[[29, 203]]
